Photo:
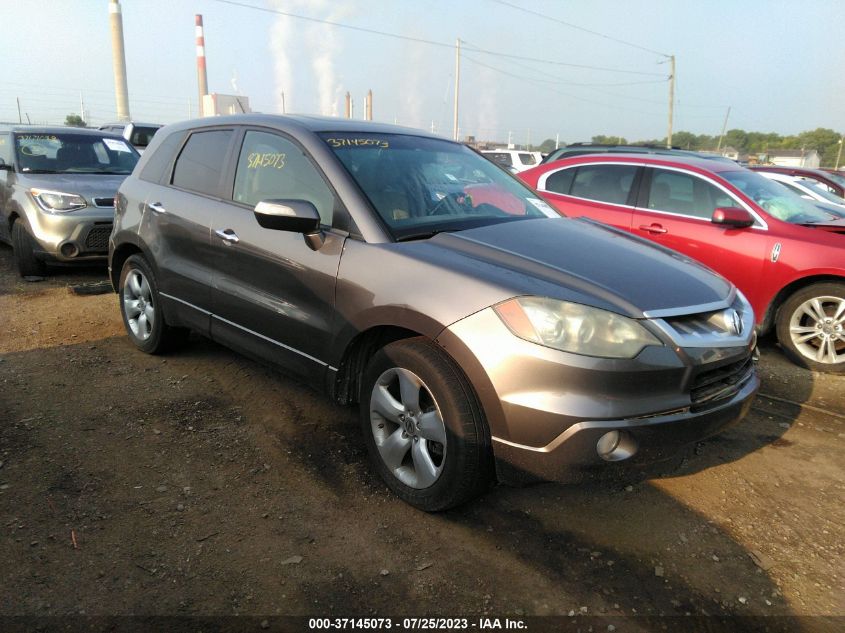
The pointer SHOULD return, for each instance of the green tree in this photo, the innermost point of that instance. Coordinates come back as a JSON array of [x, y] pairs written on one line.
[[601, 139], [547, 146], [75, 120]]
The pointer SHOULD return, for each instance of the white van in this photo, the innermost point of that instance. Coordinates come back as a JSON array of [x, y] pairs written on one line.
[[514, 160]]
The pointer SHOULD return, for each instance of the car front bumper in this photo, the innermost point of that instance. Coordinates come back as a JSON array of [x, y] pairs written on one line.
[[76, 236], [548, 410]]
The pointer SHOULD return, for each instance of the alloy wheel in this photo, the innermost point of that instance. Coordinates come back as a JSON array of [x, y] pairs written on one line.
[[408, 428], [817, 329], [138, 305]]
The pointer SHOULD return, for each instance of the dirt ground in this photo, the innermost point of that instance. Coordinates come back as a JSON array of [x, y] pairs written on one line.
[[204, 483]]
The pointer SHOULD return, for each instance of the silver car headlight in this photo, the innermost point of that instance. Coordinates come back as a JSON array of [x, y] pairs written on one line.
[[57, 201], [576, 328]]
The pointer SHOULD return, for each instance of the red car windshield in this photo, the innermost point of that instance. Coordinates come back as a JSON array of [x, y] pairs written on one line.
[[775, 199]]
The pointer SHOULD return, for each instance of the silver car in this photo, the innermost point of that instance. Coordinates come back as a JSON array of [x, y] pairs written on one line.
[[481, 335], [57, 189]]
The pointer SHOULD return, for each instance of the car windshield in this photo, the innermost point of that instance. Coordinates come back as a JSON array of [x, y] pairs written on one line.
[[775, 199], [66, 153], [839, 179], [422, 186], [821, 190]]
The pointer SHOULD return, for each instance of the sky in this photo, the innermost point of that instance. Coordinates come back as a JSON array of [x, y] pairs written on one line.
[[777, 64]]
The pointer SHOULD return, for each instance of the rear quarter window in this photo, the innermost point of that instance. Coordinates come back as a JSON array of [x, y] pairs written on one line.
[[159, 159], [560, 181]]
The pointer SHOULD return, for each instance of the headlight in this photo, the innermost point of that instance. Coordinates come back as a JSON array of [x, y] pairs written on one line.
[[576, 328], [57, 201]]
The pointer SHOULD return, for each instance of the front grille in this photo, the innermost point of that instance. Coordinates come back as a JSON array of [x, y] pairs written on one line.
[[98, 238], [104, 202], [711, 387]]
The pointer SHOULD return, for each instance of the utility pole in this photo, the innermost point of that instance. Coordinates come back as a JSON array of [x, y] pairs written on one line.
[[724, 128], [368, 106], [348, 110], [839, 153], [510, 143], [528, 142], [457, 86], [557, 140], [82, 108], [20, 118], [671, 100], [284, 109]]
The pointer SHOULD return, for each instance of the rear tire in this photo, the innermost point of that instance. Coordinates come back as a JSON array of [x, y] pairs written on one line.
[[423, 427], [140, 306], [811, 327], [23, 248]]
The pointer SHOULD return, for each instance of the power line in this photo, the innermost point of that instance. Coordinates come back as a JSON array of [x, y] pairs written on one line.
[[580, 28], [565, 94], [420, 40]]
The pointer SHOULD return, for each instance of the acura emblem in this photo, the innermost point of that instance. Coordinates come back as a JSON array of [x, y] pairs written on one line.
[[733, 321]]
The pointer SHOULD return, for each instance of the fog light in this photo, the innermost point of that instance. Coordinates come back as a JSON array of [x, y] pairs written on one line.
[[614, 446]]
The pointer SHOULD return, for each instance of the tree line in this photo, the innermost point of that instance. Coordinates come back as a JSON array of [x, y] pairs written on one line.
[[825, 141]]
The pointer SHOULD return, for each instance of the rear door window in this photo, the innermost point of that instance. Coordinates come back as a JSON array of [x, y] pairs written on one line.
[[200, 164], [271, 167], [678, 192], [604, 183]]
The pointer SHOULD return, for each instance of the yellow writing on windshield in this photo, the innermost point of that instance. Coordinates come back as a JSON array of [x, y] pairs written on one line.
[[358, 142], [256, 160], [37, 137]]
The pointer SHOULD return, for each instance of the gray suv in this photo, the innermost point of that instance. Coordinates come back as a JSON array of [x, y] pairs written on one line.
[[481, 335], [57, 189]]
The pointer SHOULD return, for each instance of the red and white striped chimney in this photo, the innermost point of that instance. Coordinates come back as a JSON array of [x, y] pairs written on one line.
[[202, 76]]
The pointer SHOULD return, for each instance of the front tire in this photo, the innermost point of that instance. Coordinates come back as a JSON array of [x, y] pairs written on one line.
[[811, 327], [140, 306], [423, 427], [23, 250]]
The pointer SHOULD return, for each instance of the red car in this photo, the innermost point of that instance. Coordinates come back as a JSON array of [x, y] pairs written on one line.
[[784, 253], [835, 182]]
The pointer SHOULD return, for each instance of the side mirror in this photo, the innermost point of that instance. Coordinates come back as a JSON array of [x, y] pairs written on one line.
[[296, 216], [5, 167], [734, 217]]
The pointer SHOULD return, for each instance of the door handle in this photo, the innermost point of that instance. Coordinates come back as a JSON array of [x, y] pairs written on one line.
[[653, 228], [157, 207], [228, 235]]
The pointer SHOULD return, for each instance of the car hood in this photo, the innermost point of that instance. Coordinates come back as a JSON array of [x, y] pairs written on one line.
[[583, 261], [88, 186]]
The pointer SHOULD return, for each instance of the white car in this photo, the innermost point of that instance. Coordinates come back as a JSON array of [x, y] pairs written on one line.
[[514, 160], [806, 188]]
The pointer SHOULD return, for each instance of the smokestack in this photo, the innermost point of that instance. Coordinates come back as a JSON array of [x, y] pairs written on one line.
[[121, 93], [369, 108], [348, 106], [202, 76]]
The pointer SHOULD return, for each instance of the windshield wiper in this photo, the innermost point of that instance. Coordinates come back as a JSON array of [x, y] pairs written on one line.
[[423, 235]]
